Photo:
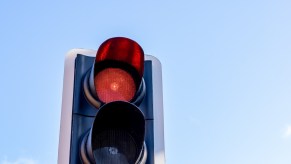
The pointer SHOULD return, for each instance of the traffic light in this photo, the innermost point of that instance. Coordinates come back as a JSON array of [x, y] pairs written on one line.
[[112, 109]]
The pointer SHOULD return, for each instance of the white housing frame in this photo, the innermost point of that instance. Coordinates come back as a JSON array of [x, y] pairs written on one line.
[[67, 105]]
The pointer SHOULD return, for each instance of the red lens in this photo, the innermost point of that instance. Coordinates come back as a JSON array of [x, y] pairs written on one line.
[[114, 84]]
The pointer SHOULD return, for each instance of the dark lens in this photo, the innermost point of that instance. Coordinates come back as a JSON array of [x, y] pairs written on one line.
[[116, 147]]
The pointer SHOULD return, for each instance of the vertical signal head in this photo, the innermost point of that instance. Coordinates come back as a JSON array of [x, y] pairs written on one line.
[[117, 71], [120, 124]]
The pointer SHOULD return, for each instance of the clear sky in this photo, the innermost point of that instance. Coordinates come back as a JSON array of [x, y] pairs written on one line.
[[226, 74]]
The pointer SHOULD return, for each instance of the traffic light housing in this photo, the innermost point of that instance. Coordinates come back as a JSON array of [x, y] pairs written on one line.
[[93, 117]]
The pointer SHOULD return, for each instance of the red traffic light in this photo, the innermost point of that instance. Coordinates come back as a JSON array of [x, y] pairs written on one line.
[[95, 130], [117, 72], [113, 84]]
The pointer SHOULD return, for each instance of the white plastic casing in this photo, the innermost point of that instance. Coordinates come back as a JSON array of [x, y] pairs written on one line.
[[67, 105]]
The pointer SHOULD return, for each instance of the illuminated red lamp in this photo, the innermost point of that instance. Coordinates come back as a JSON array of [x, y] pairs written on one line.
[[113, 84], [117, 72]]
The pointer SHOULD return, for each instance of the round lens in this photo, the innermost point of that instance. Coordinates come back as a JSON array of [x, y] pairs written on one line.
[[113, 84]]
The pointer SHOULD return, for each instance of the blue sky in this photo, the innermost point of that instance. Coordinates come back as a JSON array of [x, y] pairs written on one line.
[[226, 74]]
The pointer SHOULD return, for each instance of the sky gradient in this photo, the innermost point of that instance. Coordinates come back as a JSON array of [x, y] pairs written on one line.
[[226, 74]]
